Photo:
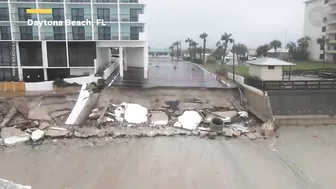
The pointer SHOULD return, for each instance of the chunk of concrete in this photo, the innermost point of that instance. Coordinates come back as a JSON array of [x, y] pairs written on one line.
[[37, 135], [258, 135], [159, 118], [55, 132], [228, 133], [59, 113], [251, 136], [11, 113], [6, 184], [267, 129], [236, 133], [225, 114], [12, 136], [135, 113], [39, 113], [44, 125], [190, 120]]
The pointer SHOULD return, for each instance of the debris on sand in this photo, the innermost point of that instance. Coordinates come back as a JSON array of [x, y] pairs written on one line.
[[9, 184], [190, 120], [37, 135], [135, 113], [55, 132], [8, 117], [159, 118]]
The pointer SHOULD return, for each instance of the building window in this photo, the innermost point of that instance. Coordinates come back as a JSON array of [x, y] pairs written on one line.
[[5, 33], [322, 47], [7, 74], [30, 53], [82, 54], [58, 14], [78, 32], [135, 30], [271, 67], [59, 32], [134, 14], [23, 16], [77, 14], [321, 56], [80, 1], [4, 15], [324, 28], [334, 57], [104, 33], [325, 19], [26, 32], [5, 54], [103, 13]]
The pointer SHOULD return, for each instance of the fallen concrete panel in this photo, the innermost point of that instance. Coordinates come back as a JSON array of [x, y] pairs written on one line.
[[59, 113], [159, 118], [135, 113], [12, 136], [39, 113], [9, 117]]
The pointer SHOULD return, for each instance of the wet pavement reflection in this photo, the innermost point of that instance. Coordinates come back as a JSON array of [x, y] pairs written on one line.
[[167, 73]]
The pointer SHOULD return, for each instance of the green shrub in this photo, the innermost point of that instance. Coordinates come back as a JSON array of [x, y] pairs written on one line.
[[58, 82], [211, 60]]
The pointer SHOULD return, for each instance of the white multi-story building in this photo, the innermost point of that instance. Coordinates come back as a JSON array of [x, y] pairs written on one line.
[[32, 53], [320, 22]]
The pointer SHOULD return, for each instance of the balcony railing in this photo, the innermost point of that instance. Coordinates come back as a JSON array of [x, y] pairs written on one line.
[[52, 36], [129, 1], [129, 18], [105, 1], [23, 17], [332, 31], [26, 36], [50, 17], [53, 1], [78, 1], [79, 36], [129, 36], [22, 0], [106, 18], [106, 36], [4, 18], [5, 36], [79, 17]]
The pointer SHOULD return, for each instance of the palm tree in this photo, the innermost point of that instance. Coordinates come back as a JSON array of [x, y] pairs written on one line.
[[291, 46], [218, 44], [204, 36], [275, 44], [323, 41], [172, 51], [177, 44], [226, 38], [189, 41]]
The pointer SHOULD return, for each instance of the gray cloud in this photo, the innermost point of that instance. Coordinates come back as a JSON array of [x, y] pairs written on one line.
[[252, 22]]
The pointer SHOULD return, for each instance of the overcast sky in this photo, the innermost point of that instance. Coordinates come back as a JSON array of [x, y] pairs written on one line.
[[252, 22]]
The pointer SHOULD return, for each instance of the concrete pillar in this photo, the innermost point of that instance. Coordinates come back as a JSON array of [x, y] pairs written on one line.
[[125, 59], [18, 59], [145, 61], [121, 62], [45, 59]]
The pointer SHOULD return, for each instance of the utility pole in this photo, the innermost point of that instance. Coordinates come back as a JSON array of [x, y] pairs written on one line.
[[233, 68]]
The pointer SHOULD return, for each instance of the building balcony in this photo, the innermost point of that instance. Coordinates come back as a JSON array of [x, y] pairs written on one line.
[[333, 31], [332, 41], [79, 36], [331, 22], [133, 36], [106, 36], [331, 2], [108, 18], [22, 1], [105, 1], [26, 36], [132, 18], [79, 17], [52, 36], [5, 36], [331, 51], [51, 1], [331, 11], [77, 1], [23, 18], [129, 1]]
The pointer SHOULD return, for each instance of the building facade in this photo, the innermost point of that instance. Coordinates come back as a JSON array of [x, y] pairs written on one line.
[[44, 52]]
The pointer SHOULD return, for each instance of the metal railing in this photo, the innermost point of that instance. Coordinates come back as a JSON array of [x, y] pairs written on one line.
[[23, 17], [26, 36], [129, 18], [78, 1], [105, 1], [106, 36], [129, 1], [79, 36], [50, 0], [52, 36], [79, 17], [129, 36], [5, 36], [50, 17], [106, 18]]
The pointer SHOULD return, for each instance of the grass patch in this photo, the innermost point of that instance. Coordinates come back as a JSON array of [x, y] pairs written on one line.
[[310, 65], [239, 70]]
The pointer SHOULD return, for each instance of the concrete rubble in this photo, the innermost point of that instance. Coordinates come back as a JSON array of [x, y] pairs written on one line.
[[46, 118]]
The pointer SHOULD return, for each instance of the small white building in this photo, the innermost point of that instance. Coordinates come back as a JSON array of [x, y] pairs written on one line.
[[267, 68]]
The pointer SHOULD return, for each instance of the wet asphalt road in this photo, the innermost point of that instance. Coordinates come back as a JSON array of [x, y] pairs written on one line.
[[300, 158]]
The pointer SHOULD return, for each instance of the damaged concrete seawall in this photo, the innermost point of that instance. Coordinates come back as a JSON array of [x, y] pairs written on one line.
[[257, 103], [303, 107]]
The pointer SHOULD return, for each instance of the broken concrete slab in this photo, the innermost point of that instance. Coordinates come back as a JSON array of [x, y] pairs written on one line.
[[94, 116], [268, 128], [190, 120], [12, 112], [58, 107], [59, 113], [44, 125], [159, 118], [23, 109], [236, 133], [89, 132], [39, 113], [55, 132], [168, 132], [251, 136], [12, 136], [135, 113], [228, 133], [6, 184], [226, 114], [258, 135], [37, 135]]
